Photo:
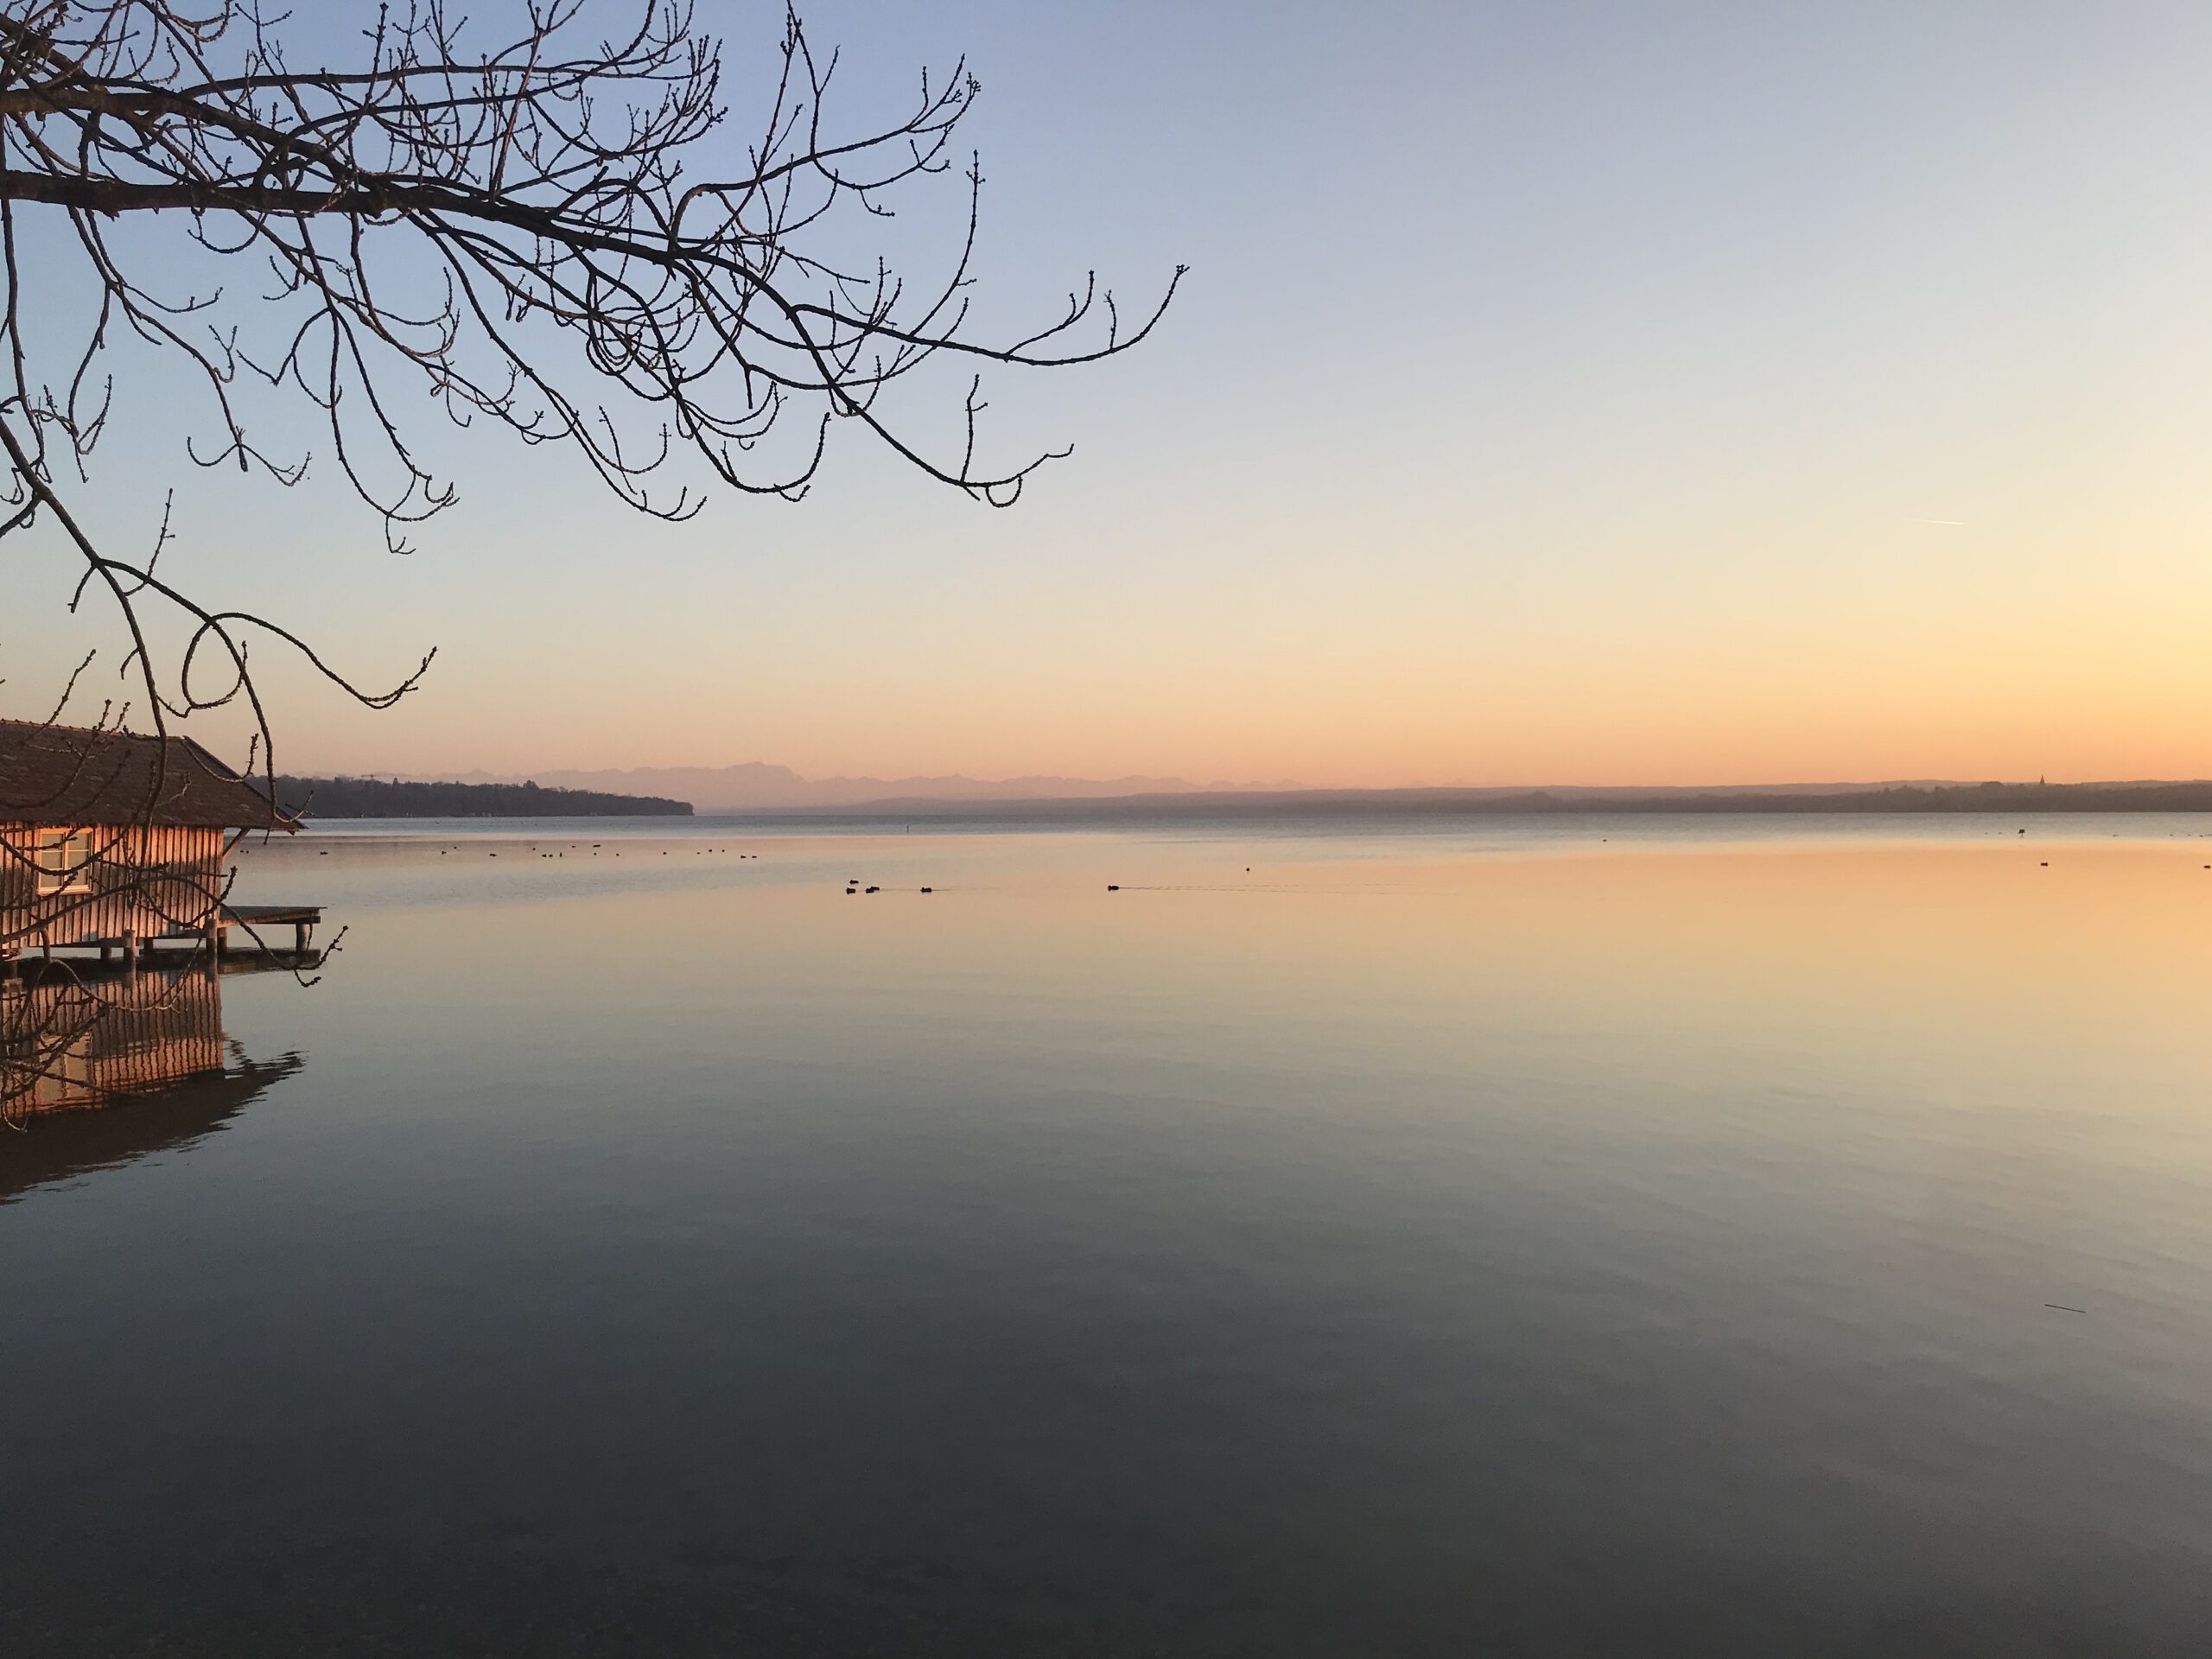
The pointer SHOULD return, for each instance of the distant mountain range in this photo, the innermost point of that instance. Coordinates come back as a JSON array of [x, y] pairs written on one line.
[[759, 786], [755, 786]]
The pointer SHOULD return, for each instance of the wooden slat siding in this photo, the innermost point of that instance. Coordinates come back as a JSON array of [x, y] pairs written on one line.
[[149, 881], [70, 1047]]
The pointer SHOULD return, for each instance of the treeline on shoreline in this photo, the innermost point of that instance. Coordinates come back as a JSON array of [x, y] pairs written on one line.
[[1943, 797], [1993, 797], [1936, 797], [379, 798]]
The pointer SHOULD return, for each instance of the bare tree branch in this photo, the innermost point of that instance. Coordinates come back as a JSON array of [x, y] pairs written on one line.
[[549, 224]]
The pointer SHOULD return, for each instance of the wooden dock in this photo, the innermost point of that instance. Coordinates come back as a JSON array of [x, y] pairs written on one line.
[[300, 918], [258, 922]]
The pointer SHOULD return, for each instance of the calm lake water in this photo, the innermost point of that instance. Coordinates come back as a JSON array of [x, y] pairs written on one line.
[[1561, 1237]]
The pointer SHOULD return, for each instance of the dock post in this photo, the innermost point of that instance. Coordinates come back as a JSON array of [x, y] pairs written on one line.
[[129, 952]]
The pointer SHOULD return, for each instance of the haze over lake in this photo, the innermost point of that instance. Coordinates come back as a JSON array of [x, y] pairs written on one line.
[[1581, 1238]]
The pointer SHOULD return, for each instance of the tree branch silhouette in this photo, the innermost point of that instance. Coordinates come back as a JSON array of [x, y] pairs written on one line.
[[612, 268], [556, 225]]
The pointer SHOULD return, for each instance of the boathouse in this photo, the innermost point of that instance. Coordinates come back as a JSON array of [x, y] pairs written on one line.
[[116, 840]]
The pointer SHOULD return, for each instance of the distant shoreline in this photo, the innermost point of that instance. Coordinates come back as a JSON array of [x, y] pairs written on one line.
[[371, 799], [2020, 799]]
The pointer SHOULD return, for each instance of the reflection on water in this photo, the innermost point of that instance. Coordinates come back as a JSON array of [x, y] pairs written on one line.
[[1327, 1243], [77, 1049]]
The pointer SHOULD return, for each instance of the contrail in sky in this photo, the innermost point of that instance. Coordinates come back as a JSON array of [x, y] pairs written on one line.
[[1959, 523]]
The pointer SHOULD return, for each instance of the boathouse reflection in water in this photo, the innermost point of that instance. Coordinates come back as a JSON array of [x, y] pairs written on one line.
[[97, 1071]]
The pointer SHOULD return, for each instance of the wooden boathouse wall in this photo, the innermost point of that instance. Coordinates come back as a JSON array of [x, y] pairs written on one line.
[[141, 881]]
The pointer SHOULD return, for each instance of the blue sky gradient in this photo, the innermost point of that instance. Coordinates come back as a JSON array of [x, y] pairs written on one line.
[[1580, 393]]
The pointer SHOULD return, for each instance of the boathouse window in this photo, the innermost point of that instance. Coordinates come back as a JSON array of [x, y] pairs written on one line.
[[65, 859]]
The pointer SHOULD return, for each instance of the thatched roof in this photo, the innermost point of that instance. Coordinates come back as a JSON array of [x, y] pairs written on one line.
[[71, 775]]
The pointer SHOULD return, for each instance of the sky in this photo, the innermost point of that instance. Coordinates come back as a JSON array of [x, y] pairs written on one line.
[[1601, 393]]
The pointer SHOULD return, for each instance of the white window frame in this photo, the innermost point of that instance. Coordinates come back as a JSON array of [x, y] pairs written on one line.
[[64, 858]]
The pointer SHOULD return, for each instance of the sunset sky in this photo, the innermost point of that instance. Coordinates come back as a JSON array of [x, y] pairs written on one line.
[[1562, 393]]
